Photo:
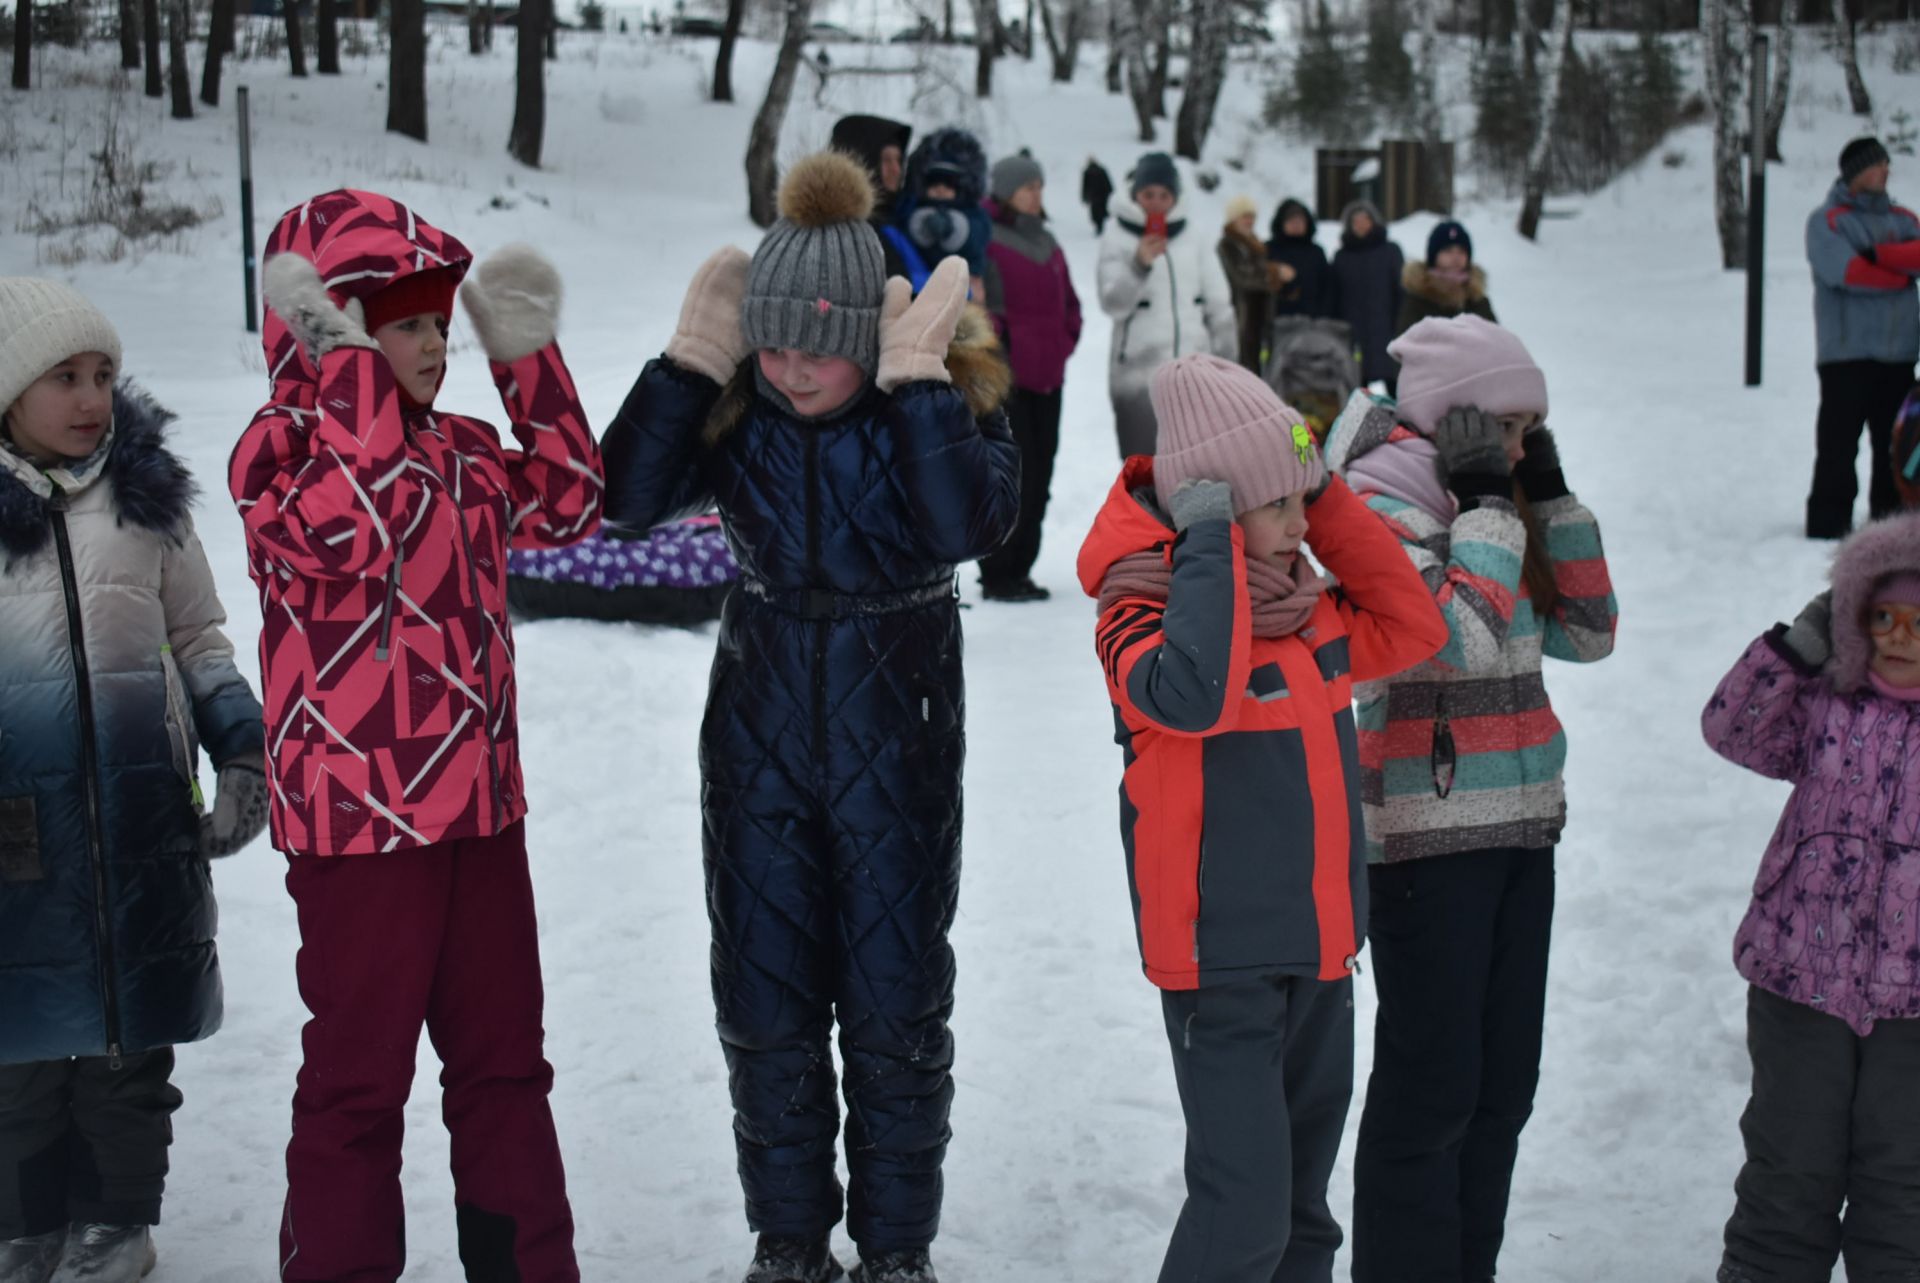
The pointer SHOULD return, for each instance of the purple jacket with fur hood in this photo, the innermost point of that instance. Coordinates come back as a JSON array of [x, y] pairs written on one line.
[[1835, 919]]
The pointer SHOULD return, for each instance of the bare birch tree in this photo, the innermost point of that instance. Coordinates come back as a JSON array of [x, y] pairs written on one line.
[[763, 141], [1130, 39], [219, 45], [1559, 44], [150, 44], [1782, 76], [23, 44], [407, 69], [1723, 99], [723, 60], [529, 130], [129, 35], [987, 37], [179, 83], [1850, 59], [1064, 35]]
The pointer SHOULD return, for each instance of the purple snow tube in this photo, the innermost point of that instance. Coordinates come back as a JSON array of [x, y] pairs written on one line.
[[677, 574]]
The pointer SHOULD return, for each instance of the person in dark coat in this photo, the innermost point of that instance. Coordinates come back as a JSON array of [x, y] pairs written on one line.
[[1304, 279], [114, 676], [1096, 189], [940, 212], [1365, 289], [1037, 316], [1251, 276], [881, 145], [1448, 284], [854, 445]]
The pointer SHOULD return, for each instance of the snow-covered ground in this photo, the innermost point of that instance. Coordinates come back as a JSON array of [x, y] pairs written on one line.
[[1065, 1163]]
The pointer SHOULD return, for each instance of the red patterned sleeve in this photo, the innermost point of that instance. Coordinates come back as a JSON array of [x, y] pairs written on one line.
[[320, 490], [557, 479]]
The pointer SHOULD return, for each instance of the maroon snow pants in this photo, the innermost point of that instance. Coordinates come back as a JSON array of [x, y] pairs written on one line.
[[443, 936]]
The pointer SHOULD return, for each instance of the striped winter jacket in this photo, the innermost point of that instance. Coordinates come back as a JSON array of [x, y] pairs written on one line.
[[1240, 798], [1464, 753], [378, 536]]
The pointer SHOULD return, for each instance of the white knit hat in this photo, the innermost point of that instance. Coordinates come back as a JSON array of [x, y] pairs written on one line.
[[42, 323]]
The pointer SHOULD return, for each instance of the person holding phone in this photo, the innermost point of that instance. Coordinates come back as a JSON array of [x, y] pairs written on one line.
[[1166, 292]]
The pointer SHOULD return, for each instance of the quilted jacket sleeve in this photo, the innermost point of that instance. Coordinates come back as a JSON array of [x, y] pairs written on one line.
[[960, 475], [1582, 624], [225, 712], [1121, 281], [652, 451], [1182, 664], [556, 477], [325, 504], [1391, 620], [1472, 570], [1836, 260], [1760, 713]]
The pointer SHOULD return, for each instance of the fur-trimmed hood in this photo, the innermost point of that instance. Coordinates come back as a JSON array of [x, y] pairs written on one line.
[[1886, 547], [978, 368], [151, 486], [1424, 281], [952, 147]]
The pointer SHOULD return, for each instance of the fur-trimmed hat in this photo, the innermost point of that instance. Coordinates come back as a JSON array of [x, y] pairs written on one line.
[[1221, 422], [817, 280], [42, 323], [1238, 208], [1885, 549]]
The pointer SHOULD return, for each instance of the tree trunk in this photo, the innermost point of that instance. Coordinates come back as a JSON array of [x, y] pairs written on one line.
[[1026, 35], [407, 69], [150, 46], [763, 141], [1526, 37], [129, 35], [1130, 40], [1113, 48], [490, 21], [296, 38], [1850, 59], [530, 83], [986, 43], [946, 21], [1549, 117], [1161, 16], [1782, 76], [1723, 98], [476, 35], [1206, 72], [179, 83], [326, 38], [217, 50], [23, 44], [723, 61], [1064, 54]]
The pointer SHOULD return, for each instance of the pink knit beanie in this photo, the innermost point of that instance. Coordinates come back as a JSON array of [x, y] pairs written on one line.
[[1219, 422], [1461, 361], [1899, 589]]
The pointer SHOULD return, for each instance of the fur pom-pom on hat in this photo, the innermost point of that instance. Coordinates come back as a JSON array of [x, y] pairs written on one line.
[[826, 188]]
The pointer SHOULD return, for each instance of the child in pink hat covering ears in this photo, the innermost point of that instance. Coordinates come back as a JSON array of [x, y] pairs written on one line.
[[1829, 946], [1464, 806], [1229, 662]]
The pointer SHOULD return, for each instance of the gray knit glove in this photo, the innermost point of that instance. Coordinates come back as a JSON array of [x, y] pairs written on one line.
[[513, 301], [239, 810], [1198, 500], [299, 297], [1473, 454], [1810, 636]]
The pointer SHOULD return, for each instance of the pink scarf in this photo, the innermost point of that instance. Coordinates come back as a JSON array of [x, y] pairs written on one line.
[[1281, 603]]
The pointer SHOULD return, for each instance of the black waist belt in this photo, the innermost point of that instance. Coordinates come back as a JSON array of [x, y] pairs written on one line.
[[824, 603]]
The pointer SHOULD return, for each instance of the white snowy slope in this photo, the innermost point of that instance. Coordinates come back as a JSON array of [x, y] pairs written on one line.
[[1065, 1162]]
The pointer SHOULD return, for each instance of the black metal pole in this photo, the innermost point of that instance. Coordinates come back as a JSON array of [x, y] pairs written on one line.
[[1756, 207], [246, 214]]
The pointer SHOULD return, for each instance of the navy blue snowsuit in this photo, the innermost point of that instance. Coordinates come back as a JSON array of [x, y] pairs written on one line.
[[830, 762]]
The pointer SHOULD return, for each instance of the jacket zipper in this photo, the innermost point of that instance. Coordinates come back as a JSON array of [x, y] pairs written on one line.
[[1173, 298], [1199, 892], [820, 626], [381, 651], [1443, 759], [486, 642], [90, 759]]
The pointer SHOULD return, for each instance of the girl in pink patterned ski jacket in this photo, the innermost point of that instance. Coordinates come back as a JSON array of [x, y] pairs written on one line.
[[1831, 944]]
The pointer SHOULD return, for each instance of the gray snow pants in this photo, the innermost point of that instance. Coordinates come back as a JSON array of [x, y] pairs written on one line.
[[1833, 1150], [1265, 1071]]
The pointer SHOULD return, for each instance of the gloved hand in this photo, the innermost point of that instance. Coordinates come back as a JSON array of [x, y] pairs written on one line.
[[1198, 500], [708, 339], [916, 332], [513, 300], [1539, 471], [239, 810], [1810, 636], [1472, 451], [299, 297]]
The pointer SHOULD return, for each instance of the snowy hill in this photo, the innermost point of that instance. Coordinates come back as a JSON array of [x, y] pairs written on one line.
[[1066, 1158]]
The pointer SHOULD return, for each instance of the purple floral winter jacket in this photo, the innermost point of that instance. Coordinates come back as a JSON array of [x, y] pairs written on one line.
[[1835, 919]]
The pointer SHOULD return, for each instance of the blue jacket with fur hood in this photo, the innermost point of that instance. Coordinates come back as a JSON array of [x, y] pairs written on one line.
[[114, 675]]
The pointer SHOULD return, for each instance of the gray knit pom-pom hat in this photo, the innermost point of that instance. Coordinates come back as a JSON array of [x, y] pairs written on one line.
[[818, 278], [42, 323]]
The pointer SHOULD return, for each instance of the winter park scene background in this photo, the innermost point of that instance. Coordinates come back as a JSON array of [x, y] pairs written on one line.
[[1066, 1158]]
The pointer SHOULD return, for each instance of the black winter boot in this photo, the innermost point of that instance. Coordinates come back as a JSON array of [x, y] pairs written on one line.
[[910, 1266], [31, 1259], [793, 1260]]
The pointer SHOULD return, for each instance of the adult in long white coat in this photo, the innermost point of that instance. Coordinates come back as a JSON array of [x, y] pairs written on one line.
[[1164, 289]]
